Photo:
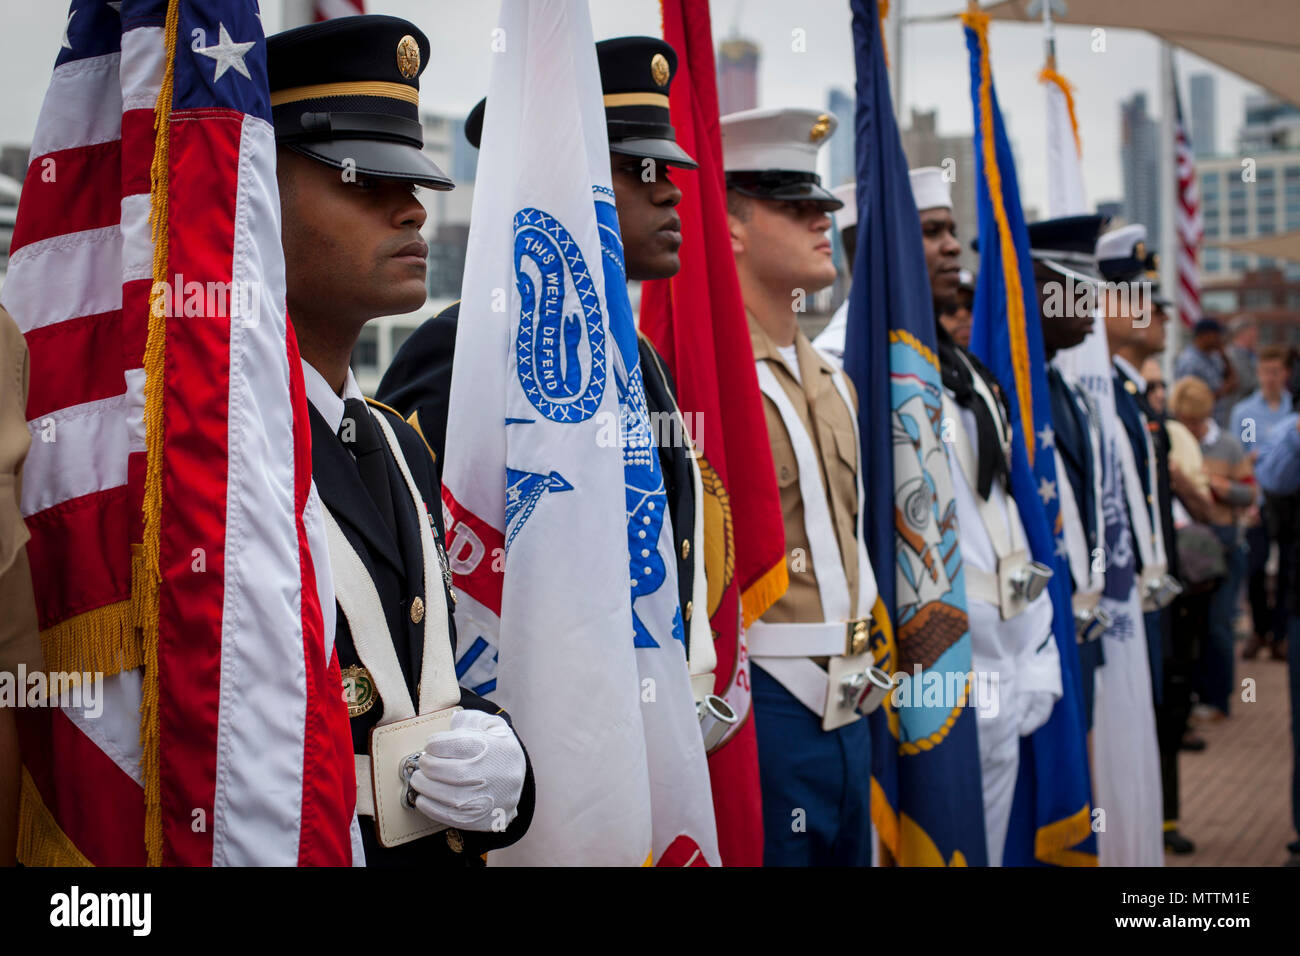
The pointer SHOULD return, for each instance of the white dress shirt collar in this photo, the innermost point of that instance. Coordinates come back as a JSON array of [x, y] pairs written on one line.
[[324, 399]]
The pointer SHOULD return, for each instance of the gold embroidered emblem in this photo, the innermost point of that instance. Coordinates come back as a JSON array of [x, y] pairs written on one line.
[[659, 69], [417, 610], [408, 56], [820, 129], [358, 690]]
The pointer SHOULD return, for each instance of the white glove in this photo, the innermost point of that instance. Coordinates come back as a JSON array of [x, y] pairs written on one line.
[[1035, 707], [470, 772]]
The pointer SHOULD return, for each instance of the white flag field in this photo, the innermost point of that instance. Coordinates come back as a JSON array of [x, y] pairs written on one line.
[[1126, 760], [555, 504]]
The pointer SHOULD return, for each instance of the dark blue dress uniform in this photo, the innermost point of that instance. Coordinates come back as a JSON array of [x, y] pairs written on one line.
[[1172, 653], [345, 93], [635, 74], [1065, 248]]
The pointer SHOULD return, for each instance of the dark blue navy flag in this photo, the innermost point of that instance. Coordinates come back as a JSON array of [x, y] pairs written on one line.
[[926, 795], [1051, 812]]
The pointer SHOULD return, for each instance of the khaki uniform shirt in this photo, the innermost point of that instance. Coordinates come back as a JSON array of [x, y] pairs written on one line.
[[19, 641], [832, 430]]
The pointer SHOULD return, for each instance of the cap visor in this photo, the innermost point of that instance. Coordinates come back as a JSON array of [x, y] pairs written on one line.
[[794, 192], [378, 158], [664, 150]]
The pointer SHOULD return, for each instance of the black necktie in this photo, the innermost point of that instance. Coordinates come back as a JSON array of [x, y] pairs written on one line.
[[360, 435], [955, 366]]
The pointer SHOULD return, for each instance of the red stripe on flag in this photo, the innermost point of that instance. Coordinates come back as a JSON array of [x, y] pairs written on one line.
[[476, 546], [62, 537], [204, 162], [97, 805], [329, 786], [137, 145], [70, 190], [91, 345]]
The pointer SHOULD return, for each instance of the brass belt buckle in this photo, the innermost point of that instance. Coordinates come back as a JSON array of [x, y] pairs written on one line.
[[857, 636]]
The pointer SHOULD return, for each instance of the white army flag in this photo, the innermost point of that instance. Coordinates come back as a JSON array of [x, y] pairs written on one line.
[[555, 504]]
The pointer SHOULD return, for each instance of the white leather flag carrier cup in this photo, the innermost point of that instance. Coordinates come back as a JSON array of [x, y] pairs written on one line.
[[1019, 580], [850, 686], [396, 743]]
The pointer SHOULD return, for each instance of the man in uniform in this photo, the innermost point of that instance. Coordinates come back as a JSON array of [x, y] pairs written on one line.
[[1007, 600], [344, 96], [636, 74], [1135, 328], [1065, 266], [814, 676]]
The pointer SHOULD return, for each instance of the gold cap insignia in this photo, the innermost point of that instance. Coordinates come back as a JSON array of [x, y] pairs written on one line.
[[819, 129], [408, 56], [1131, 388], [358, 690], [659, 69]]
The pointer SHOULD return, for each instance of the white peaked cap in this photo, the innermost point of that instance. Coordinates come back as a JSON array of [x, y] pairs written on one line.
[[1120, 243], [775, 139], [930, 189], [846, 217]]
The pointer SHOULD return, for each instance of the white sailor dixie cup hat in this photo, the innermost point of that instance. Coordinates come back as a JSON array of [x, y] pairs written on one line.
[[929, 188], [772, 154], [846, 217]]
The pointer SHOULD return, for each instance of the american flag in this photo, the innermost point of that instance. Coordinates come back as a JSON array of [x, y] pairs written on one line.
[[1187, 221], [168, 489]]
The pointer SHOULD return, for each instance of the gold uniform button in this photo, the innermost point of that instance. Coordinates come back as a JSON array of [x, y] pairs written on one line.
[[686, 548], [417, 610], [690, 606], [455, 841]]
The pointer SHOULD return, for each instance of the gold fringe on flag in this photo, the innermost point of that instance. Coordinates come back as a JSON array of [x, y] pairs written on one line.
[[1052, 843], [979, 22], [100, 641], [1049, 75], [764, 592], [145, 583], [41, 841]]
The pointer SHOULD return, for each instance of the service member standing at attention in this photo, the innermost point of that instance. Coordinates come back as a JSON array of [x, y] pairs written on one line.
[[1007, 600], [1135, 328], [1064, 265], [636, 74], [433, 786], [814, 677]]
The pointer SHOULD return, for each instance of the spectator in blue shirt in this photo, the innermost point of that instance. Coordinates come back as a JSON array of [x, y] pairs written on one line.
[[1203, 357], [1255, 423], [1278, 472]]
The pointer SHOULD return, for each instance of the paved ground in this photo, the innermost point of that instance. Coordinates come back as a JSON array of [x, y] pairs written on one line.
[[1237, 792]]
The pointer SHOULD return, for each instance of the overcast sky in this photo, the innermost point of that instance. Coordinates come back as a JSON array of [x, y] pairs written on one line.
[[934, 55]]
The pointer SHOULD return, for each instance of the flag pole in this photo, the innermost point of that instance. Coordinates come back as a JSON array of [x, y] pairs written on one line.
[[1168, 197], [898, 15]]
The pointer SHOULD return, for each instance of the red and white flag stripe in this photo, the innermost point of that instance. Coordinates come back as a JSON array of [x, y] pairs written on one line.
[[1188, 225], [253, 740]]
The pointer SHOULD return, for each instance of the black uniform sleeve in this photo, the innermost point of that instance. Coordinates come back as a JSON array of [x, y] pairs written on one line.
[[418, 381]]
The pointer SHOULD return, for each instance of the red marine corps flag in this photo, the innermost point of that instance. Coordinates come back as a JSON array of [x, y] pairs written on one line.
[[697, 321], [168, 492]]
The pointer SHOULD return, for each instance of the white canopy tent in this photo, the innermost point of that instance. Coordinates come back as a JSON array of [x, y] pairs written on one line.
[[1259, 40]]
